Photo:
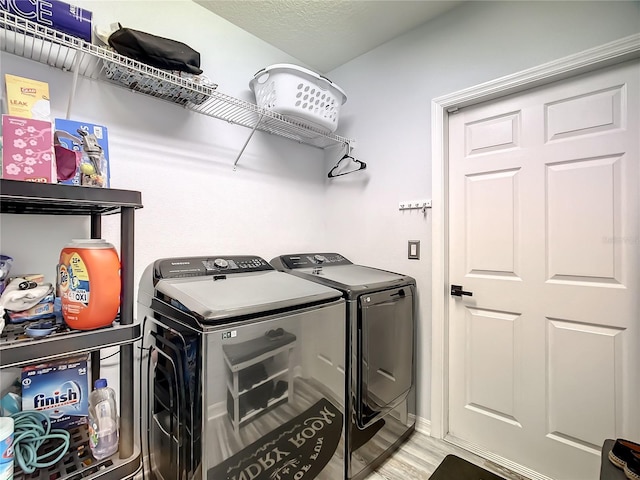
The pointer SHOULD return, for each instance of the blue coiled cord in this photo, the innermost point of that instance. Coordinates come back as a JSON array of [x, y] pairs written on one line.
[[31, 430]]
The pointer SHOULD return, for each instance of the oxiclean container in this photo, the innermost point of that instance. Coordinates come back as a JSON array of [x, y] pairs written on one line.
[[89, 283]]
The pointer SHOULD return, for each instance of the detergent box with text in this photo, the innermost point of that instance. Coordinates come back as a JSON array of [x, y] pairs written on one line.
[[54, 14], [58, 389]]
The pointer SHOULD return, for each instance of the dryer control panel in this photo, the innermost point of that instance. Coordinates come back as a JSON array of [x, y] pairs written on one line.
[[214, 265], [308, 260]]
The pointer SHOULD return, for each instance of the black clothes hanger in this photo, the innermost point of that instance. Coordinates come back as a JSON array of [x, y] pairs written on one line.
[[361, 165]]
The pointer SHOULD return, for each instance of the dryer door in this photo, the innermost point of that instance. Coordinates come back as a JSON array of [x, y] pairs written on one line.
[[385, 352]]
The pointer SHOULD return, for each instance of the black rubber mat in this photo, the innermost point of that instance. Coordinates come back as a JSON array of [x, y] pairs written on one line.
[[298, 449], [456, 468]]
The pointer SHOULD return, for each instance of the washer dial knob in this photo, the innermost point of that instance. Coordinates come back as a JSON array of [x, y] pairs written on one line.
[[221, 263], [319, 258]]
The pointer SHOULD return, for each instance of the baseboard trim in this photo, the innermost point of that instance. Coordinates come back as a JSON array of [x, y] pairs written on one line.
[[423, 426]]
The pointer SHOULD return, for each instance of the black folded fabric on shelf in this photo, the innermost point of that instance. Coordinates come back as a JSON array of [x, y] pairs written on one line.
[[156, 51], [280, 388], [259, 397], [255, 399], [252, 375]]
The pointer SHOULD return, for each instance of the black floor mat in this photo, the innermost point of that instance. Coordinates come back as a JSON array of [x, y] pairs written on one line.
[[456, 468], [301, 447]]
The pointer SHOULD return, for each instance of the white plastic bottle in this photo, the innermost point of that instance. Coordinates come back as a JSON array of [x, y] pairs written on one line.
[[103, 421], [6, 448]]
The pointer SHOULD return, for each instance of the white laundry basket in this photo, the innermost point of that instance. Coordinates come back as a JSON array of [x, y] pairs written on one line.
[[300, 94]]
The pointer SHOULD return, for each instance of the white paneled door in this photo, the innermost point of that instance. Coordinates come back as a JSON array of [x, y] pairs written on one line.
[[544, 357]]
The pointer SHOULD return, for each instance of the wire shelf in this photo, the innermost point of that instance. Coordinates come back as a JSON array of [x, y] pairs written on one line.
[[36, 42], [78, 464]]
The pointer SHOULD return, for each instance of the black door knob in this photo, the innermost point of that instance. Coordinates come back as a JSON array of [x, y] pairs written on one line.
[[457, 291]]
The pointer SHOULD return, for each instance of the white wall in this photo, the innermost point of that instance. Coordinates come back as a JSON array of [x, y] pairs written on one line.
[[388, 111]]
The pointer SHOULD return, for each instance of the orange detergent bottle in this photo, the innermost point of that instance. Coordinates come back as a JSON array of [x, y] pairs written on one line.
[[89, 284]]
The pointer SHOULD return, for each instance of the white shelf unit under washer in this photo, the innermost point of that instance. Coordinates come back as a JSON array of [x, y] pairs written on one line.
[[30, 40]]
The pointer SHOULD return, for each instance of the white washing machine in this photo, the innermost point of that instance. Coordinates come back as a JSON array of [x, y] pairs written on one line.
[[380, 346], [239, 378]]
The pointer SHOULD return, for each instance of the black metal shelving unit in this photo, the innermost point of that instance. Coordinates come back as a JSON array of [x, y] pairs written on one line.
[[17, 197]]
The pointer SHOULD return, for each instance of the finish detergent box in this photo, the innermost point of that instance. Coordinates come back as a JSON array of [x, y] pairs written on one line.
[[59, 389]]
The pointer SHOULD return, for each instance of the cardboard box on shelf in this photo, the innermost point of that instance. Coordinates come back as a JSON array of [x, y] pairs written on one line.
[[32, 277], [61, 16], [94, 149], [28, 98], [58, 389], [27, 150]]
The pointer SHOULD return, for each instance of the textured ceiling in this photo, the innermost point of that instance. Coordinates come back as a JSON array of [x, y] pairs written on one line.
[[325, 34]]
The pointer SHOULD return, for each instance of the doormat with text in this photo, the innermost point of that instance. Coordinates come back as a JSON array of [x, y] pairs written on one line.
[[298, 449], [457, 468]]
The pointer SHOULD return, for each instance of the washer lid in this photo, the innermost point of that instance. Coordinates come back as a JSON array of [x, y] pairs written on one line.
[[244, 294], [354, 277]]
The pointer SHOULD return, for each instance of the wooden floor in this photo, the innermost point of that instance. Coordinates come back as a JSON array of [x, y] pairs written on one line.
[[420, 455], [416, 459]]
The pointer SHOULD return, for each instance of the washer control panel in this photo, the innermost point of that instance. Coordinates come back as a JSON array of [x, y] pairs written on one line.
[[308, 260], [202, 266]]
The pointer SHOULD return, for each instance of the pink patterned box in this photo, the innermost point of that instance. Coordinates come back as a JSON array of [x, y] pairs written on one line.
[[27, 150]]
